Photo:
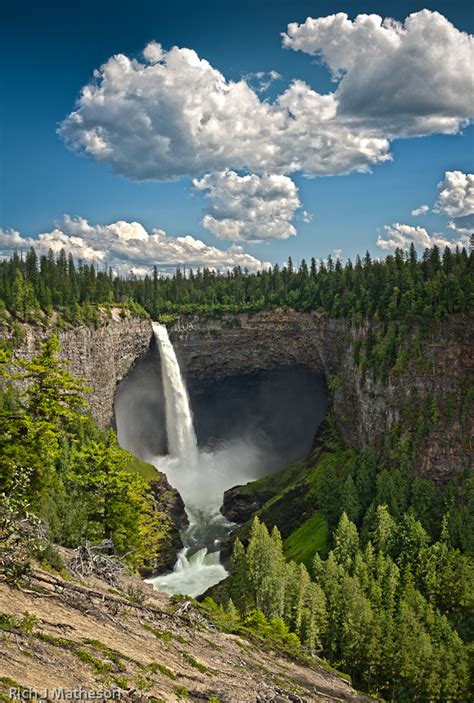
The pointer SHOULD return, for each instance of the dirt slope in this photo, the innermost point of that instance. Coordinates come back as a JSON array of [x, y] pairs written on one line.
[[88, 635]]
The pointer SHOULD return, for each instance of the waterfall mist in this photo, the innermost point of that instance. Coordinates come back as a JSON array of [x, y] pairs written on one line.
[[246, 426]]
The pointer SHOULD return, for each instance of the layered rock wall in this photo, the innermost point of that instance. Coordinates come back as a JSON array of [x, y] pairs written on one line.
[[101, 356], [363, 409]]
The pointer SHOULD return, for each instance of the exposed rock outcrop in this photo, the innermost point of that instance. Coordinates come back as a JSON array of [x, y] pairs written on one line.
[[239, 507], [101, 356], [168, 501], [364, 409]]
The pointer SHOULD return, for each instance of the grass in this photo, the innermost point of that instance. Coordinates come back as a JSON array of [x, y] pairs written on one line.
[[121, 681], [197, 665], [276, 482], [100, 667], [181, 691], [24, 623], [333, 670], [154, 667], [164, 635], [109, 653], [293, 500], [147, 471], [309, 538], [7, 682]]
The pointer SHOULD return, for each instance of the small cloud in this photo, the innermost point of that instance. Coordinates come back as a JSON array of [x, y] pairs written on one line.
[[400, 236], [456, 194], [307, 217], [249, 208], [420, 210], [262, 80], [456, 200]]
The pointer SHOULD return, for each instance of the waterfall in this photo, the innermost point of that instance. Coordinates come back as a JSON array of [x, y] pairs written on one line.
[[182, 441], [196, 568]]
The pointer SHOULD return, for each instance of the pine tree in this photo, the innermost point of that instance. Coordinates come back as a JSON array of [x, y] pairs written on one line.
[[346, 541], [238, 579], [350, 499], [52, 393], [385, 530]]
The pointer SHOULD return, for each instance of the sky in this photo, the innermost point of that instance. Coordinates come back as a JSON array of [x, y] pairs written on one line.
[[239, 133]]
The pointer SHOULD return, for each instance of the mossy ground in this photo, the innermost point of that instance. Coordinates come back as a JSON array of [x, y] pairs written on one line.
[[146, 471], [294, 505], [309, 538]]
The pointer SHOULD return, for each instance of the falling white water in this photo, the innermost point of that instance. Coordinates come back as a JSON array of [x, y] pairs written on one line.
[[182, 441], [194, 571], [197, 569]]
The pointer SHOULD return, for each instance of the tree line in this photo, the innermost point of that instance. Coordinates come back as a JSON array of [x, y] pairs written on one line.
[[403, 286], [393, 612]]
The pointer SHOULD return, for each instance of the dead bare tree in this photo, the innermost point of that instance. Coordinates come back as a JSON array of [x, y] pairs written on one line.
[[97, 560]]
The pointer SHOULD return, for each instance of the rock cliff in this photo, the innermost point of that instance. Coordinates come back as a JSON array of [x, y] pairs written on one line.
[[101, 356], [364, 408]]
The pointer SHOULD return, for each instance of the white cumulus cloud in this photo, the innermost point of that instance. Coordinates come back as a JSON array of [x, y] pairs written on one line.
[[402, 79], [262, 79], [420, 210], [249, 207], [456, 194], [127, 246], [173, 114], [399, 236], [455, 199]]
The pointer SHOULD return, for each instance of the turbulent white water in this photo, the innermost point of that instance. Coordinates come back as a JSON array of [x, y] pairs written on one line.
[[198, 566]]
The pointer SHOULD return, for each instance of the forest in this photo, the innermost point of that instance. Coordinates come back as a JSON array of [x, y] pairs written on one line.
[[390, 610], [403, 286]]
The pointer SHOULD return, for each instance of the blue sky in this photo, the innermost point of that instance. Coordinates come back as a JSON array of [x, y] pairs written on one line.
[[50, 51]]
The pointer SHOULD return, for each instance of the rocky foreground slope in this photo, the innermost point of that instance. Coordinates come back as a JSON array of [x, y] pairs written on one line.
[[68, 634]]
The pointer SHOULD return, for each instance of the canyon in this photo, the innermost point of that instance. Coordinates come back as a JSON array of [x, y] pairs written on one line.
[[245, 345], [299, 369]]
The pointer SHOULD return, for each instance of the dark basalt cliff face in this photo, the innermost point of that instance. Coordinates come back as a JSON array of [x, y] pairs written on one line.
[[363, 409]]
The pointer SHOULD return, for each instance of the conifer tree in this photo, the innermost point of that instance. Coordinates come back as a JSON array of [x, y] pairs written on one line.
[[346, 541], [238, 579]]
